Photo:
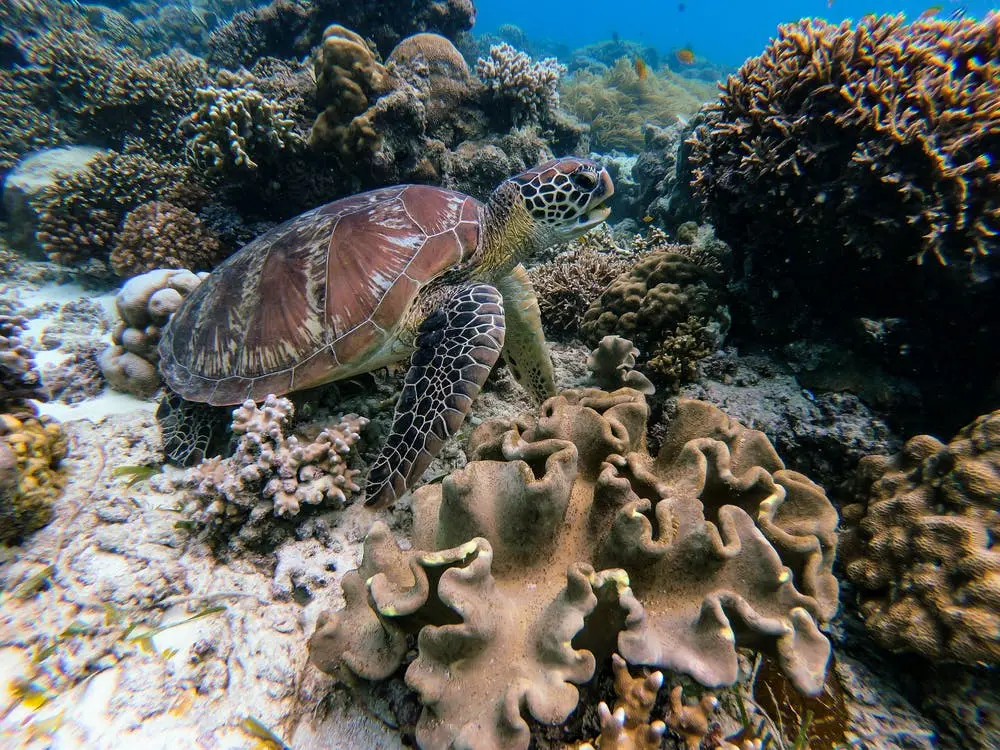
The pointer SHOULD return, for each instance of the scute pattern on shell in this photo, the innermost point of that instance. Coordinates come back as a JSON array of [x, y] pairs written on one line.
[[315, 294]]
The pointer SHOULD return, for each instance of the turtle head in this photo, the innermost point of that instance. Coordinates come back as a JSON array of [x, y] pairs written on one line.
[[554, 202]]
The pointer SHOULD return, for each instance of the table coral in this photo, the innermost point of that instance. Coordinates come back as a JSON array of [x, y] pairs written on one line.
[[563, 539], [672, 305], [920, 545], [526, 88], [160, 234], [144, 305], [31, 449], [273, 472]]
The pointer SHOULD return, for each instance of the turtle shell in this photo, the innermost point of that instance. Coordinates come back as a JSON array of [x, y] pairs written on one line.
[[317, 298]]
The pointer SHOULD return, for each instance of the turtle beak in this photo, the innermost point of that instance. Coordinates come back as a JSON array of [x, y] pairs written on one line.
[[598, 212]]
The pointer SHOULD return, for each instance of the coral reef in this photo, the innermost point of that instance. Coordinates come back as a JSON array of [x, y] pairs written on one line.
[[31, 449], [19, 380], [612, 365], [919, 545], [526, 89], [845, 155], [159, 234], [235, 126], [563, 540], [272, 472], [630, 725], [144, 304], [619, 105], [672, 305]]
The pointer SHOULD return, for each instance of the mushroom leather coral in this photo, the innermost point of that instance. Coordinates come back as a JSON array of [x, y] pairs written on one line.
[[562, 540], [921, 545]]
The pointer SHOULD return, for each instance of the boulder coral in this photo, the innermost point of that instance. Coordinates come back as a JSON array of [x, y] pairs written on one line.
[[921, 545], [561, 541], [144, 305]]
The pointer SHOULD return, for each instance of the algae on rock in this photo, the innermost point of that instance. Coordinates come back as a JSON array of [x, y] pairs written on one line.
[[563, 540]]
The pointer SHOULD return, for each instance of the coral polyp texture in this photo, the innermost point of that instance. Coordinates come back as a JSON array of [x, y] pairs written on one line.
[[563, 540], [846, 155], [921, 545], [272, 473], [31, 477], [529, 88]]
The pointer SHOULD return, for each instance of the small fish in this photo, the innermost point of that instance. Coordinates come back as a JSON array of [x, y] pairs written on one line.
[[685, 55], [641, 69], [932, 11], [257, 729], [135, 474], [647, 219]]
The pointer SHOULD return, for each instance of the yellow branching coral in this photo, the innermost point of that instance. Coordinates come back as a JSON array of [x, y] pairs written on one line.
[[562, 539], [921, 545], [617, 103]]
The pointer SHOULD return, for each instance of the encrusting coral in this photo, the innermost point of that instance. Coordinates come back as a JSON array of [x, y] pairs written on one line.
[[144, 305], [159, 234], [562, 540], [671, 305], [272, 472], [527, 88], [31, 478], [612, 366], [921, 545]]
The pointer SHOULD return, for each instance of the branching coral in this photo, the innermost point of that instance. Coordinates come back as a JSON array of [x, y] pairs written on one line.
[[618, 104], [236, 126], [630, 726], [670, 305], [561, 540], [277, 29], [921, 547], [31, 478], [144, 304], [530, 89], [78, 217], [273, 472], [19, 380], [159, 234]]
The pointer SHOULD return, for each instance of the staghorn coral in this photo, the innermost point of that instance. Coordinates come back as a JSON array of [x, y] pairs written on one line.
[[272, 472], [571, 282], [526, 89], [235, 126], [670, 305], [612, 366], [144, 304], [847, 155], [561, 540], [19, 380], [31, 478], [79, 215], [920, 545], [159, 234], [618, 105]]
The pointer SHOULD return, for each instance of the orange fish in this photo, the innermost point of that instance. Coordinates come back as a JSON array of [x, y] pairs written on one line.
[[685, 55], [647, 219], [641, 69], [931, 11]]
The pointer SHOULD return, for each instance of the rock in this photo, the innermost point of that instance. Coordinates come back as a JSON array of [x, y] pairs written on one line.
[[33, 174]]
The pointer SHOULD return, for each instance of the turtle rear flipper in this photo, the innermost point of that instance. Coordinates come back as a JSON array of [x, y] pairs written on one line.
[[191, 431], [457, 347]]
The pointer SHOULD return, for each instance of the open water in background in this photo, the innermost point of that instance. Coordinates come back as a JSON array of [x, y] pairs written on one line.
[[725, 31]]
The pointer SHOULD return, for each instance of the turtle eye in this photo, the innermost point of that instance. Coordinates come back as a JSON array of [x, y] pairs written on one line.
[[584, 180]]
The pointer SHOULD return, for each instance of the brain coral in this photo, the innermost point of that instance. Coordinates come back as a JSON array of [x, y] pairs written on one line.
[[846, 155], [159, 234], [563, 540], [921, 545]]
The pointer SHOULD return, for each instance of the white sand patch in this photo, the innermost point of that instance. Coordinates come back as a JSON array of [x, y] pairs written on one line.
[[97, 409]]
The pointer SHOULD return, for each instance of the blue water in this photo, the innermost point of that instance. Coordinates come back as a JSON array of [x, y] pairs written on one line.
[[725, 32]]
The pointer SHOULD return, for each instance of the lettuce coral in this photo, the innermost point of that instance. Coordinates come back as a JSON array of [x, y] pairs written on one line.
[[562, 540], [921, 545]]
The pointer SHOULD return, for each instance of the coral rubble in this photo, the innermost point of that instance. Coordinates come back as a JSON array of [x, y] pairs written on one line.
[[272, 473], [920, 545], [849, 154], [563, 540]]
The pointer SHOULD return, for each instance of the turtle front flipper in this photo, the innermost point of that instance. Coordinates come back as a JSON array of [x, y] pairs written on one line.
[[190, 431], [525, 350], [457, 346]]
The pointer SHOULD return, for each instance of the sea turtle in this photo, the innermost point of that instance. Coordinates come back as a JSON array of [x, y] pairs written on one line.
[[407, 271]]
